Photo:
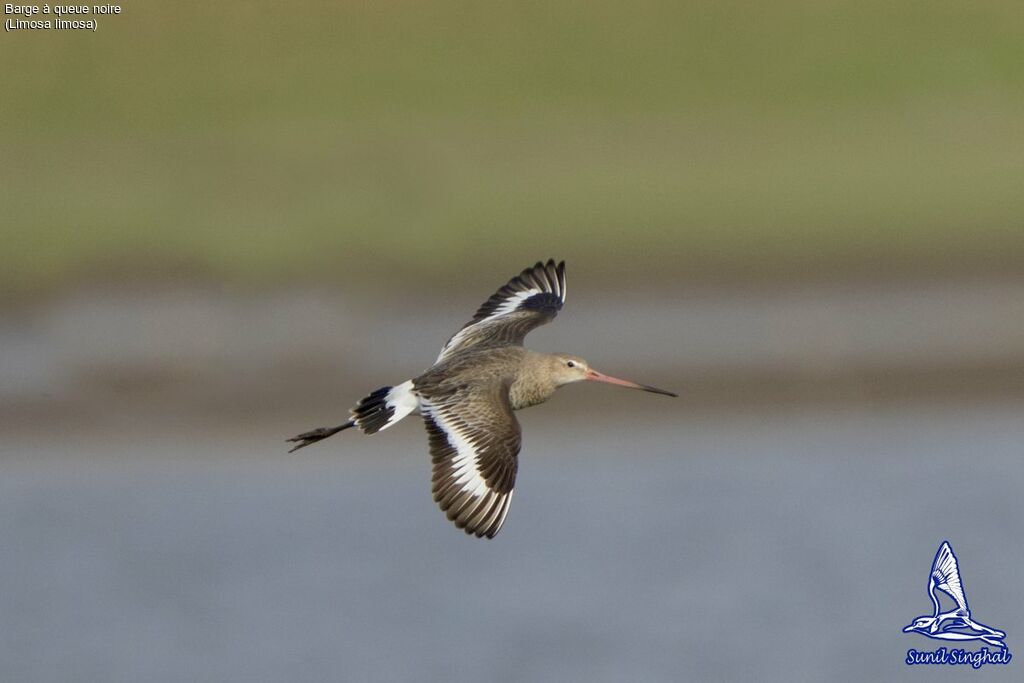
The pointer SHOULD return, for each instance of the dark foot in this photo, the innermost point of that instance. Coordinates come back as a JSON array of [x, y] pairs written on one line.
[[314, 435]]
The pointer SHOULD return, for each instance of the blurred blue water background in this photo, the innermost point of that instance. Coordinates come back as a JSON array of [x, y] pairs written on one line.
[[785, 546]]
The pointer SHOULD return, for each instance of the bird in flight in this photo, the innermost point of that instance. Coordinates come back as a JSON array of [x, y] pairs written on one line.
[[957, 623], [467, 398]]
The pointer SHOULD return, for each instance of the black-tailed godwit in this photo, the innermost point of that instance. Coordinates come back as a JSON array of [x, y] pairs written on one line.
[[467, 398]]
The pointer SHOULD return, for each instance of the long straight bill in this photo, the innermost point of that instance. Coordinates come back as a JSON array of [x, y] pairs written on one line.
[[595, 376]]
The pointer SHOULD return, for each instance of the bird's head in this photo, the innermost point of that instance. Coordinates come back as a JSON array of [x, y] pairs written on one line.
[[919, 624], [566, 369]]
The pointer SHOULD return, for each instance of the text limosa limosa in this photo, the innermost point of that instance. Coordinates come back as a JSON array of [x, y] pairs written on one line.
[[467, 398]]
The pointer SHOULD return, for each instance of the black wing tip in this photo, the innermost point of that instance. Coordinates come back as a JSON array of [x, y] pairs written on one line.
[[485, 531], [550, 263], [482, 519], [547, 277], [486, 534], [554, 270]]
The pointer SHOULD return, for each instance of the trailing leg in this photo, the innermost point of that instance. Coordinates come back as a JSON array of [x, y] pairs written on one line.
[[318, 434]]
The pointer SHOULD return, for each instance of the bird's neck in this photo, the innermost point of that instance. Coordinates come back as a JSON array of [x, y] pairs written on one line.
[[533, 384]]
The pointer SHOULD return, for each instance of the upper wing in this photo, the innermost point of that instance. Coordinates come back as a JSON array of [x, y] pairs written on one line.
[[474, 444], [529, 300], [946, 575]]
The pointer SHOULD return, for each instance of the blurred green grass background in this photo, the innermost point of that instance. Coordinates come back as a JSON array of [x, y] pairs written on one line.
[[263, 143]]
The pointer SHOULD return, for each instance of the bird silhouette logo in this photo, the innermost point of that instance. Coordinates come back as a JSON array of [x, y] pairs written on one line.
[[956, 624]]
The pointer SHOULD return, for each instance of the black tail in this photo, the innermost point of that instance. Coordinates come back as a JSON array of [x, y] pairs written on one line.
[[319, 434], [373, 412]]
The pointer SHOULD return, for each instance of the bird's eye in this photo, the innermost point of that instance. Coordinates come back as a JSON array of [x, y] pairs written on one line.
[[571, 364]]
